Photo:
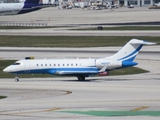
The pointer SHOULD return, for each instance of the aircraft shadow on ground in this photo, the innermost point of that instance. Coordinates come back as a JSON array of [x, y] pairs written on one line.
[[87, 80]]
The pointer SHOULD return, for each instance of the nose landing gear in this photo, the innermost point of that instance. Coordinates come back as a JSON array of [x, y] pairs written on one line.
[[17, 78]]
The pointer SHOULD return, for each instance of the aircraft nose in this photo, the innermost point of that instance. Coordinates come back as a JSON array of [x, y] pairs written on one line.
[[6, 70]]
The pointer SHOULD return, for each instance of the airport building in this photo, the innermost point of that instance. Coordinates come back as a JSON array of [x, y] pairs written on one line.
[[48, 1], [136, 3]]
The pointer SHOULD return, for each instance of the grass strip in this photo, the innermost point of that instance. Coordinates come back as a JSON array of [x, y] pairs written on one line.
[[69, 41], [30, 27], [90, 28], [2, 97], [124, 28], [5, 63], [127, 71]]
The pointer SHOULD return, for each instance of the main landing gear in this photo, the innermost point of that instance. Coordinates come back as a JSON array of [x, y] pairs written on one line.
[[17, 78], [81, 78]]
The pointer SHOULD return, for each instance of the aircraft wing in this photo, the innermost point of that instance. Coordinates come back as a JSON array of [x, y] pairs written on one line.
[[71, 72], [75, 72]]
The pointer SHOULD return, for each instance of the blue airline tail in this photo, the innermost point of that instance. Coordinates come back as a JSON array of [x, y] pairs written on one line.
[[32, 1], [30, 6]]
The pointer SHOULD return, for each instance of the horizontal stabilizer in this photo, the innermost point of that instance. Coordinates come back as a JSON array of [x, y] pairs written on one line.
[[142, 42]]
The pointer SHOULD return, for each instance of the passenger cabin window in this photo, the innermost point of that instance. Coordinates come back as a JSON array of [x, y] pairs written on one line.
[[37, 64], [45, 64], [41, 64]]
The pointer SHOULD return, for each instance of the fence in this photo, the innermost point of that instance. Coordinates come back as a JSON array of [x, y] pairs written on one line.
[[22, 24]]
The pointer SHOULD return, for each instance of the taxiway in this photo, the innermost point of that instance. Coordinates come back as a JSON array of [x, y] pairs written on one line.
[[60, 97], [128, 97]]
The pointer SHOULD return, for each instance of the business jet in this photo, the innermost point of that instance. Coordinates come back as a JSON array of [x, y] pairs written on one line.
[[80, 68], [20, 7]]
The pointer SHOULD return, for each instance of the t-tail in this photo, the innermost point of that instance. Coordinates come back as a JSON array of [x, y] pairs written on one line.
[[129, 52]]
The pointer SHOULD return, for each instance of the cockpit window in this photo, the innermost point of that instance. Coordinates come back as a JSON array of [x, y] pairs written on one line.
[[16, 64]]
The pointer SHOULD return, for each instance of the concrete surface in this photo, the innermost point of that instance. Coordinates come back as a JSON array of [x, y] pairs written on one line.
[[46, 98], [53, 16], [53, 32], [53, 98]]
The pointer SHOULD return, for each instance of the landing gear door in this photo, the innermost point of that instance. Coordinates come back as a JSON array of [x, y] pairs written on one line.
[[27, 67]]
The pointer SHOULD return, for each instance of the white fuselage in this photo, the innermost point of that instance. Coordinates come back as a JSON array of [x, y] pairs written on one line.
[[10, 8], [62, 66]]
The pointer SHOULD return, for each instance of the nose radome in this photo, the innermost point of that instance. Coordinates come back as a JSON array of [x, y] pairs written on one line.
[[5, 70]]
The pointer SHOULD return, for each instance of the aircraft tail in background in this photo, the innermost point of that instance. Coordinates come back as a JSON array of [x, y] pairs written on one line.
[[32, 1]]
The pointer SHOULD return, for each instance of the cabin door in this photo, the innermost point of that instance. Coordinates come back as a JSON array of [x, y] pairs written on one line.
[[27, 67]]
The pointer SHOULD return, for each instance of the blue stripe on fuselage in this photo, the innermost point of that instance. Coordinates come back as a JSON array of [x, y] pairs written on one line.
[[54, 70]]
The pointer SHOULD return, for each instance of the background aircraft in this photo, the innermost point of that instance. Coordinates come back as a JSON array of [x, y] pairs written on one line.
[[80, 68], [21, 7]]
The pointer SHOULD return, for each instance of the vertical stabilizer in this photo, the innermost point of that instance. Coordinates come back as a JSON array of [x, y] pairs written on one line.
[[32, 1], [130, 50]]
